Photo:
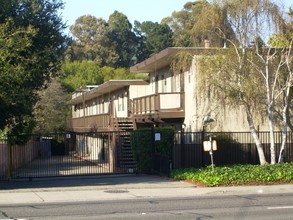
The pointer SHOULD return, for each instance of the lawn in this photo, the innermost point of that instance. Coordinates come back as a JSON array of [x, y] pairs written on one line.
[[237, 175]]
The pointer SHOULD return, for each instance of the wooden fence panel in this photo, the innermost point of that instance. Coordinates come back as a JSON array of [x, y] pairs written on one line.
[[3, 160]]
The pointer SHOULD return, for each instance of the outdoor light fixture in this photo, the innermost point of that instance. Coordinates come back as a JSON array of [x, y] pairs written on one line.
[[208, 119]]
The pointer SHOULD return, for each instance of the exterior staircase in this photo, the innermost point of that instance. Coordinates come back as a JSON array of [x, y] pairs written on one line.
[[125, 155]]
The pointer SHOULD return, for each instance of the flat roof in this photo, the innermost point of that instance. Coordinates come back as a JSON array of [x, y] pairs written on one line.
[[107, 87]]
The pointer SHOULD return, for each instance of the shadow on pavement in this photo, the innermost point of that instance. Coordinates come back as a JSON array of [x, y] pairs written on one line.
[[98, 181]]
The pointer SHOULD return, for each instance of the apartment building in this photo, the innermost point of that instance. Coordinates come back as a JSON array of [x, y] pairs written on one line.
[[167, 98]]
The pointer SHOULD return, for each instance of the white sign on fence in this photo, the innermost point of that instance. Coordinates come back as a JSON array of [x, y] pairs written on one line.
[[157, 136]]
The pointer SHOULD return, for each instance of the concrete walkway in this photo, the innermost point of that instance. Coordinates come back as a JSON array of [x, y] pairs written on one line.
[[115, 187]]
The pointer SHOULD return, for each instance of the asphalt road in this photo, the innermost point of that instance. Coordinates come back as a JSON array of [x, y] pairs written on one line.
[[258, 206]]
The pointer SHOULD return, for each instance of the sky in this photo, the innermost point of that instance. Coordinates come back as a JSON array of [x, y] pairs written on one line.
[[140, 10]]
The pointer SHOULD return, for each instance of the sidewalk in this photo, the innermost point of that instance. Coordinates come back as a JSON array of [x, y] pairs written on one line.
[[117, 187]]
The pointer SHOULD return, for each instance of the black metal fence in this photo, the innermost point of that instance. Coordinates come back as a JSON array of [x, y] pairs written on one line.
[[52, 155], [232, 148], [111, 152]]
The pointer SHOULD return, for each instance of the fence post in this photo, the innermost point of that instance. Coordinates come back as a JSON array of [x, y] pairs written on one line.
[[153, 149], [182, 148], [202, 151], [9, 159]]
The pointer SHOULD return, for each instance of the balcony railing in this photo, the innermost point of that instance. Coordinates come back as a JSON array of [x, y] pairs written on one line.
[[99, 122], [164, 104], [157, 106]]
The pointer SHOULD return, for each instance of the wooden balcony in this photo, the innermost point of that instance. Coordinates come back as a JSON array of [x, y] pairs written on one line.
[[147, 109], [89, 123], [158, 106]]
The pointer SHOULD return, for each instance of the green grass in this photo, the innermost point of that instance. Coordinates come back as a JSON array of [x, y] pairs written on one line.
[[237, 175]]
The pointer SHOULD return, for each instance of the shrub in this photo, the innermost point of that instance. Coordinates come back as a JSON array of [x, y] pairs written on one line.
[[141, 143], [144, 145], [237, 175], [165, 145]]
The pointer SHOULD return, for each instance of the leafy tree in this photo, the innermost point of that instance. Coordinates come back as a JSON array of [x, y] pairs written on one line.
[[284, 36], [154, 37], [115, 43], [254, 76], [51, 110], [80, 73], [123, 39], [192, 25], [111, 43], [119, 74], [31, 50], [84, 31], [284, 39], [91, 41], [181, 23]]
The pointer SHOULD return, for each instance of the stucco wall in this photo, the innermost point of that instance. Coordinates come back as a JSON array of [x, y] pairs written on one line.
[[136, 91], [198, 104]]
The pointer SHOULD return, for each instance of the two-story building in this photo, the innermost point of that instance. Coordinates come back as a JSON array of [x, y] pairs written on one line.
[[166, 99]]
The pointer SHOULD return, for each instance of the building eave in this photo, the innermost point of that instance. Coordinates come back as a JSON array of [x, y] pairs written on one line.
[[105, 88], [164, 58]]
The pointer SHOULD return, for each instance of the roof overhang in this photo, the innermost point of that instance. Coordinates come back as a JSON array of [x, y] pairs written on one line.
[[105, 88], [164, 59]]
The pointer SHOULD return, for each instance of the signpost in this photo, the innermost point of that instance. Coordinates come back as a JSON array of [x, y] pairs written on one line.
[[211, 146]]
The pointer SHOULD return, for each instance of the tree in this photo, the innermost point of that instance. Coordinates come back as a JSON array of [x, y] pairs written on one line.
[[80, 73], [91, 41], [192, 25], [153, 37], [84, 32], [269, 62], [284, 39], [251, 70], [51, 110], [119, 74], [181, 23], [111, 43], [122, 39], [32, 46]]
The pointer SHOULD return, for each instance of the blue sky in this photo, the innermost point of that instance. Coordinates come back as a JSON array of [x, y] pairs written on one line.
[[140, 10]]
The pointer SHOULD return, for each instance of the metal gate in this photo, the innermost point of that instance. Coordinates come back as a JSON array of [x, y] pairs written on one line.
[[34, 156]]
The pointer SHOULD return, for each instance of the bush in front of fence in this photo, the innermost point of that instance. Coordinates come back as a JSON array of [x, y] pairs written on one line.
[[147, 142], [141, 142], [237, 175]]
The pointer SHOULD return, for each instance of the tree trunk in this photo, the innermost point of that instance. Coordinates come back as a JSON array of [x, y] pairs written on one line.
[[272, 138], [282, 150], [287, 102], [285, 114], [270, 104], [259, 147]]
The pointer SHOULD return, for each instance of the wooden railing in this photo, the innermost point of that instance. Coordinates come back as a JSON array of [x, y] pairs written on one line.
[[99, 122], [159, 106], [158, 103], [145, 105]]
